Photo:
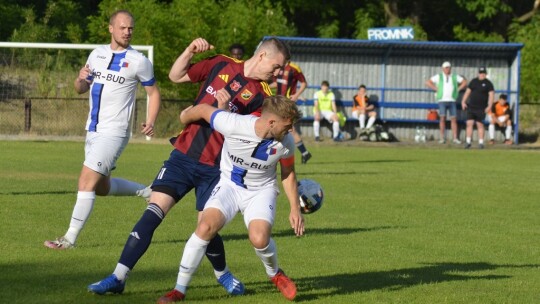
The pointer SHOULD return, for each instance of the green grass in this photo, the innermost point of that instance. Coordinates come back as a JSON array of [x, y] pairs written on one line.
[[399, 225]]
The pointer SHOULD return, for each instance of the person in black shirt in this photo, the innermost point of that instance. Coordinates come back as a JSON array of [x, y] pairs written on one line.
[[477, 101]]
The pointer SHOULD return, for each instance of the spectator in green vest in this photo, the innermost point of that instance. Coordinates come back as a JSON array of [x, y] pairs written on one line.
[[447, 86]]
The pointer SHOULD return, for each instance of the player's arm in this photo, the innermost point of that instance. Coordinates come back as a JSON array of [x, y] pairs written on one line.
[[303, 86], [430, 84], [154, 97], [491, 98], [82, 82], [463, 84], [369, 105], [290, 186], [178, 72], [464, 99], [205, 111], [193, 113], [334, 107]]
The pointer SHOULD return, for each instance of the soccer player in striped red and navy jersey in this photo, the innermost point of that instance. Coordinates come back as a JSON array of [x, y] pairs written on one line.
[[194, 162], [286, 83]]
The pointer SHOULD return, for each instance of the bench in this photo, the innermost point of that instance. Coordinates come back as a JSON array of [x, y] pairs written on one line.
[[386, 114], [352, 125]]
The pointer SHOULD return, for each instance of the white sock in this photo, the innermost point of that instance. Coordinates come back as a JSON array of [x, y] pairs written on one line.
[[468, 140], [316, 127], [268, 257], [124, 187], [220, 273], [362, 120], [81, 212], [491, 131], [481, 141], [508, 132], [335, 128], [191, 258], [370, 122], [121, 272]]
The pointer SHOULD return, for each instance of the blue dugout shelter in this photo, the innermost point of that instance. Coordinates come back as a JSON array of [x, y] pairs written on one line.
[[395, 73]]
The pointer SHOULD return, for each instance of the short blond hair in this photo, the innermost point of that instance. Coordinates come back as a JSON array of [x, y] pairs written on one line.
[[118, 12], [282, 107]]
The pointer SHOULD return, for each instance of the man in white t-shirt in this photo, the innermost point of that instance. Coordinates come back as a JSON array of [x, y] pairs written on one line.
[[447, 87], [111, 75], [252, 148]]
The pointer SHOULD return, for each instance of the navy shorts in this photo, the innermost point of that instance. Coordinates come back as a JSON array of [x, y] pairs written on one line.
[[181, 173]]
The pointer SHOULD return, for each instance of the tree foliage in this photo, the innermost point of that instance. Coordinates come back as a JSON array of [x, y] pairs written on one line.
[[170, 25]]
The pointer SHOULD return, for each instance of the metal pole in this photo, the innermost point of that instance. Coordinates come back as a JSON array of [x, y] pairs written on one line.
[[27, 114]]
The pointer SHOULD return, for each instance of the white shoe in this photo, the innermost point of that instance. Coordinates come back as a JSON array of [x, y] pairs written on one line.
[[442, 141], [457, 141], [145, 193], [60, 243]]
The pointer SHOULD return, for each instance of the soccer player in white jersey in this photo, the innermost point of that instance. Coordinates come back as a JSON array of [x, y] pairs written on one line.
[[111, 75], [253, 146]]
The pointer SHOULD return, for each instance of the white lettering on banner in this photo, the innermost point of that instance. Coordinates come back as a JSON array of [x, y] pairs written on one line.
[[394, 33]]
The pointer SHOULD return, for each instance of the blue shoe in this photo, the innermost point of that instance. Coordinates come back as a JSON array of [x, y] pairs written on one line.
[[231, 284], [109, 284]]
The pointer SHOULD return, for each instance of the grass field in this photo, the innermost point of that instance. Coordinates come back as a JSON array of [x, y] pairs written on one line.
[[400, 224]]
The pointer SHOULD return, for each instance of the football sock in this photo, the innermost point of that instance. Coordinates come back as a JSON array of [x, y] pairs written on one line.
[[481, 141], [316, 127], [121, 272], [468, 140], [81, 212], [301, 147], [191, 258], [141, 236], [491, 131], [268, 257], [362, 120], [370, 122], [335, 128], [508, 132], [215, 252], [123, 187]]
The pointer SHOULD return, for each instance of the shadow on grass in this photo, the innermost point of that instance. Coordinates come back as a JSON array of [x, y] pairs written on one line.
[[375, 161], [395, 280], [290, 233], [38, 192]]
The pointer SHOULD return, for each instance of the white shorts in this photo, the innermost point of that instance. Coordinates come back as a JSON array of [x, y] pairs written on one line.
[[327, 115], [101, 151], [501, 118], [254, 204]]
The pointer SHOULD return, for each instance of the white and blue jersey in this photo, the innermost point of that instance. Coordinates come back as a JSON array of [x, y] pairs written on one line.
[[247, 160], [114, 77]]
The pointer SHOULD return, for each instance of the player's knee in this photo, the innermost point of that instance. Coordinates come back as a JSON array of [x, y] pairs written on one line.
[[259, 241], [259, 238], [206, 230]]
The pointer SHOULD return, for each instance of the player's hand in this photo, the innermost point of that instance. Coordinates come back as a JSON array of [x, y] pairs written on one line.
[[147, 129], [85, 73], [293, 97], [297, 222], [463, 106], [223, 97], [199, 45]]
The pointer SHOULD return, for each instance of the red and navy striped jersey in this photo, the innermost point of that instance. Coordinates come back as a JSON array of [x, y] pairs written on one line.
[[288, 78], [198, 140]]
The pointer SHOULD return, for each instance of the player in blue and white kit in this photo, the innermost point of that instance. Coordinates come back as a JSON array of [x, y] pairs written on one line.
[[111, 75], [252, 148]]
